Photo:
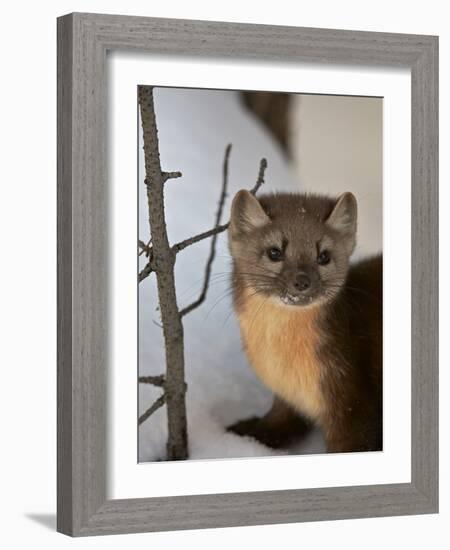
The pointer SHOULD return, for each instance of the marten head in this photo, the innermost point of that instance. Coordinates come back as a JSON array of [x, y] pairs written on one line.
[[290, 247]]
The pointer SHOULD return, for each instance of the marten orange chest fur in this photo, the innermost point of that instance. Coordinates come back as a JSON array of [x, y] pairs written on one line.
[[311, 324], [281, 346]]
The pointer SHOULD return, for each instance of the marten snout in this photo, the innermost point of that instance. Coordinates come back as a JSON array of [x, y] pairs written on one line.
[[303, 281]]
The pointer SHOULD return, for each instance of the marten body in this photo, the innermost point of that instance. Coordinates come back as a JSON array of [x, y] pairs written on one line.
[[312, 333]]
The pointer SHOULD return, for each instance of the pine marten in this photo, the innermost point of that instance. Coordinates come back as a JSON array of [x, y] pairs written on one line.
[[311, 323]]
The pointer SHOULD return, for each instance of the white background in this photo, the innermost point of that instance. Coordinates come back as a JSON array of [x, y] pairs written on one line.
[[28, 299]]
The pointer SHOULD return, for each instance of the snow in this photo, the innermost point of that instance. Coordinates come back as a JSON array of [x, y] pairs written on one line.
[[194, 129]]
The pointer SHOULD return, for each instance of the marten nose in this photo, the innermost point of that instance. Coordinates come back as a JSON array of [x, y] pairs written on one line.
[[302, 282]]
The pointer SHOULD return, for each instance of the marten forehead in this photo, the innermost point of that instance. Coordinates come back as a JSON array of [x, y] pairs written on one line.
[[294, 207], [298, 234]]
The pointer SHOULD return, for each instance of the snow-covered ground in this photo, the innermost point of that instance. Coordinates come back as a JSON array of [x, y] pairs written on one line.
[[194, 129]]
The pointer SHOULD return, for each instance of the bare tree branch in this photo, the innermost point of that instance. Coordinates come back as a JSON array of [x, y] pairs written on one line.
[[145, 248], [260, 178], [142, 246], [162, 262], [170, 175], [155, 380], [156, 405], [212, 250], [197, 238], [145, 272], [219, 229]]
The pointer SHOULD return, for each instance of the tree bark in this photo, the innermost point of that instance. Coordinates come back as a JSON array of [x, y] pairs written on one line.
[[163, 263]]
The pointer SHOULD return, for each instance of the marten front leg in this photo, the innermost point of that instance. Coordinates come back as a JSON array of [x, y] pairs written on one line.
[[279, 427]]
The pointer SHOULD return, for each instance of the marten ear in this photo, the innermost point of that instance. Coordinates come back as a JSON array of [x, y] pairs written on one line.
[[246, 213], [344, 214]]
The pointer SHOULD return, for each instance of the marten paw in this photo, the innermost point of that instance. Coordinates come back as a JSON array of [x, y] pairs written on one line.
[[248, 426], [256, 428]]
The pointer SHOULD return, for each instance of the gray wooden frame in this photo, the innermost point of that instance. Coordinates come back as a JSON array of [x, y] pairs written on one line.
[[83, 40]]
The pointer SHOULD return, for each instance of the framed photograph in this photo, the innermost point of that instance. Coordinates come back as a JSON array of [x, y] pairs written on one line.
[[247, 274]]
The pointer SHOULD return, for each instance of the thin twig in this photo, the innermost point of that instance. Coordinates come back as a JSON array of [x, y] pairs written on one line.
[[145, 272], [219, 229], [145, 248], [155, 380], [148, 249], [170, 175], [260, 178], [212, 250], [197, 238], [156, 405]]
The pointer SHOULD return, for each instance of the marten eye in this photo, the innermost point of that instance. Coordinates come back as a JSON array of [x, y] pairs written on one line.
[[275, 254], [323, 258]]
